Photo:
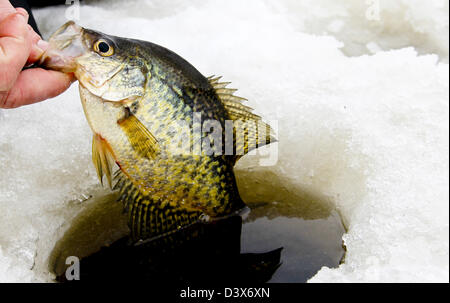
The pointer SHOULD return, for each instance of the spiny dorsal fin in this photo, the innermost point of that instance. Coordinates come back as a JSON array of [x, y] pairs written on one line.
[[142, 140], [256, 132], [102, 158], [148, 218]]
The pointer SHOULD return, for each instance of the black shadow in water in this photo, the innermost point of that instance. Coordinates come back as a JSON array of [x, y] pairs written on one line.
[[203, 253]]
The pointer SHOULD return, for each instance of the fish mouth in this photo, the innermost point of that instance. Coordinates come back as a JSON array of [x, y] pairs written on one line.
[[65, 45]]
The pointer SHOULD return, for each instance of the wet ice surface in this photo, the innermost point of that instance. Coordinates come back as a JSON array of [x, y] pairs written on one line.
[[368, 134]]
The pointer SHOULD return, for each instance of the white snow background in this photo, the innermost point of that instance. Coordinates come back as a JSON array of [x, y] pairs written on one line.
[[361, 99]]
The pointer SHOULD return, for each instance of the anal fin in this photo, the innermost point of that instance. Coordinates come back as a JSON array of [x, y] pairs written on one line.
[[148, 218]]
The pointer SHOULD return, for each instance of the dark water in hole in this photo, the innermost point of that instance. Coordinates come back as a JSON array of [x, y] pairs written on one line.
[[307, 244], [289, 235]]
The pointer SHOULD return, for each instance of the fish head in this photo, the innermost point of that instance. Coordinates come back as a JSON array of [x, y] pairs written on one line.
[[108, 67]]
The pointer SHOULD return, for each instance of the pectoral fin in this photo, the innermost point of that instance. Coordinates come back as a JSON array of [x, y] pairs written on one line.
[[143, 142]]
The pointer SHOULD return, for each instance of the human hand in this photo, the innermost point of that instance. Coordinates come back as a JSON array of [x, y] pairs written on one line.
[[21, 46]]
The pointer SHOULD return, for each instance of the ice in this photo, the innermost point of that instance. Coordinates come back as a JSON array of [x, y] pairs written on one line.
[[362, 109], [392, 24]]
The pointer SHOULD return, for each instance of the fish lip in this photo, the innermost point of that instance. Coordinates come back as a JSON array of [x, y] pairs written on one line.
[[62, 28], [56, 56]]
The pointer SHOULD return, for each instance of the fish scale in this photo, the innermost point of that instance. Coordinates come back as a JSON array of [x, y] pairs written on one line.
[[133, 94]]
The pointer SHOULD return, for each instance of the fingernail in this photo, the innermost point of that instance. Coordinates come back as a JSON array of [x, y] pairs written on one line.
[[22, 12]]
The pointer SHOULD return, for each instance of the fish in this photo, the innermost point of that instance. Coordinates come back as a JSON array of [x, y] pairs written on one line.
[[143, 102]]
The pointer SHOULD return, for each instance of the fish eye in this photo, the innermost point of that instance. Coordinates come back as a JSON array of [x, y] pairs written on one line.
[[103, 48]]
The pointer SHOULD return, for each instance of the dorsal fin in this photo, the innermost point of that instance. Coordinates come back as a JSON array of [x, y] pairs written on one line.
[[256, 132]]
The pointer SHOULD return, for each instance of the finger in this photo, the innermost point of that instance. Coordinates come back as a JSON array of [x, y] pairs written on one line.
[[22, 11], [36, 84], [5, 9], [37, 49], [15, 46], [38, 46]]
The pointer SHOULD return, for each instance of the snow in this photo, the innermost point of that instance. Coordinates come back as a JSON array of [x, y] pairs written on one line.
[[362, 103]]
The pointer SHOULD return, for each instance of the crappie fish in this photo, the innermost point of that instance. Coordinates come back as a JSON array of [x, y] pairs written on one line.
[[134, 95]]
